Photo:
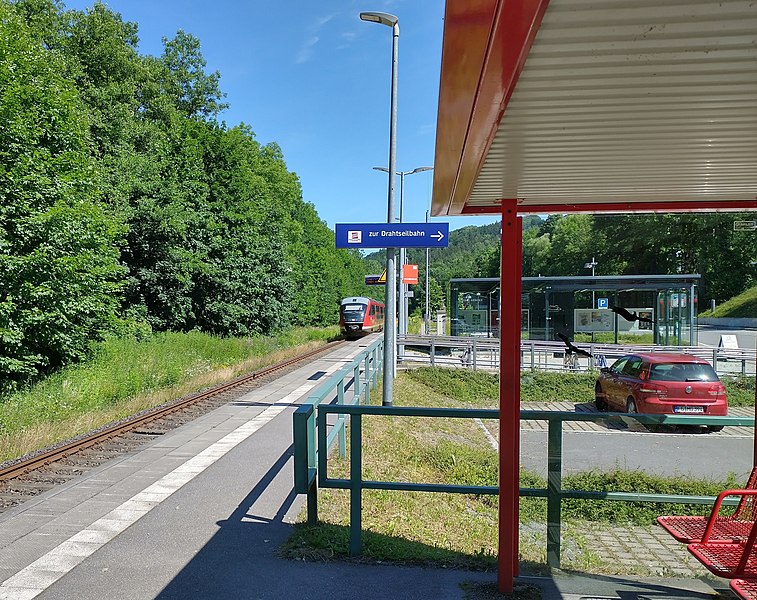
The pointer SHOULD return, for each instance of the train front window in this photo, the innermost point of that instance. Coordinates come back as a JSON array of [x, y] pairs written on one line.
[[353, 312]]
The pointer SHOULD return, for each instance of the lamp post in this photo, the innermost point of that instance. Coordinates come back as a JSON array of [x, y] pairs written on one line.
[[591, 265], [403, 286], [390, 333]]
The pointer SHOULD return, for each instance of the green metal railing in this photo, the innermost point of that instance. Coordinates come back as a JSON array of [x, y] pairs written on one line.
[[305, 452], [312, 442]]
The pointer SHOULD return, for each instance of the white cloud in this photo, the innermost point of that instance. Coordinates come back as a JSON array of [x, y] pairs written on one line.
[[308, 47]]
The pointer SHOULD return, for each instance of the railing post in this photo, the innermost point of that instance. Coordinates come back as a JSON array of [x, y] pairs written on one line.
[[368, 379], [305, 469], [356, 495], [433, 351], [357, 389], [341, 420], [368, 360], [554, 490], [533, 357], [715, 359], [474, 354]]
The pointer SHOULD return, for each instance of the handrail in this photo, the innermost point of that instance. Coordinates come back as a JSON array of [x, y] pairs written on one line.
[[553, 492], [484, 353], [306, 453]]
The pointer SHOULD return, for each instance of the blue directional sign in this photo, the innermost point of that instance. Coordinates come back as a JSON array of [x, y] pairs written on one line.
[[392, 235]]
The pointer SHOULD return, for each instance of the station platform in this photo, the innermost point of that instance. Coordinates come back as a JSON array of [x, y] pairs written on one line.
[[200, 513]]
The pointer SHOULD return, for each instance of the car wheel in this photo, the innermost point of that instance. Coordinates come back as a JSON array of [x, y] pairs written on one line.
[[632, 409], [715, 428], [600, 398]]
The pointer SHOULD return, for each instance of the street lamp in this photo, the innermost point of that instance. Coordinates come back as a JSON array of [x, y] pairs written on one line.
[[403, 286], [390, 333], [591, 265]]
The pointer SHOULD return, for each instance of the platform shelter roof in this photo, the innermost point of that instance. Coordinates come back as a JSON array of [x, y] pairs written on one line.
[[597, 106]]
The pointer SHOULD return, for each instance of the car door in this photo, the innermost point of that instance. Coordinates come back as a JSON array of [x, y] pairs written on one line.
[[611, 385], [629, 380]]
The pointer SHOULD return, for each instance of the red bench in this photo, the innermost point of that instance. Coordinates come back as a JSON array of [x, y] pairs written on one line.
[[730, 528], [735, 560], [744, 588]]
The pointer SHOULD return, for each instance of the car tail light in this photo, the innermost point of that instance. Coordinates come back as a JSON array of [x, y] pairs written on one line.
[[654, 388], [716, 389]]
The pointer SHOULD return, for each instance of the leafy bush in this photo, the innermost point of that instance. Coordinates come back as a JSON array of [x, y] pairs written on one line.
[[740, 389]]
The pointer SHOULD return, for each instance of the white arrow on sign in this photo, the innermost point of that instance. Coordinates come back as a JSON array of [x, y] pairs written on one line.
[[438, 235]]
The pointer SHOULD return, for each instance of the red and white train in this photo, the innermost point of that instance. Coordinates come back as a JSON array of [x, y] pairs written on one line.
[[360, 316]]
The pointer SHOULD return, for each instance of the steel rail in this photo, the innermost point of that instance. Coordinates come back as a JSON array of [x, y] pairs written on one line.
[[36, 461]]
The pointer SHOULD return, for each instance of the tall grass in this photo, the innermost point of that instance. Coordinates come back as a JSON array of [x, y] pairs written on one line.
[[126, 375]]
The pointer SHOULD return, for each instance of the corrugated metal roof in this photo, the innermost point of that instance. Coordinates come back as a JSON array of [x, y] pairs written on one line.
[[618, 101]]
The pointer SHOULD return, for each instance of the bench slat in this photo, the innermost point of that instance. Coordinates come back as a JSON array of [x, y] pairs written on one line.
[[745, 589]]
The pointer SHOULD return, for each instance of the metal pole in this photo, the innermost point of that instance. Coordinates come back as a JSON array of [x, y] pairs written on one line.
[[511, 273], [427, 316], [402, 286], [390, 331]]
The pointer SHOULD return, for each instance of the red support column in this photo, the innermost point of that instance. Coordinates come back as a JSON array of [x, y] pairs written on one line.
[[511, 269]]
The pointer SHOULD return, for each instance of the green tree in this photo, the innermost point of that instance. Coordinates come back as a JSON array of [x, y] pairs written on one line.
[[59, 273], [195, 93]]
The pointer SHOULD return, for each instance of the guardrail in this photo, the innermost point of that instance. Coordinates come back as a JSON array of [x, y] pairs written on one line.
[[306, 454], [483, 353], [311, 475]]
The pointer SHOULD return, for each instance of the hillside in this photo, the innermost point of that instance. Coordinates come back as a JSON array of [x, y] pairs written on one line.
[[739, 307]]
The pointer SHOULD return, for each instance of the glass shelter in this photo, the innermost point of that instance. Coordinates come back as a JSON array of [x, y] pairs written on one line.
[[660, 307]]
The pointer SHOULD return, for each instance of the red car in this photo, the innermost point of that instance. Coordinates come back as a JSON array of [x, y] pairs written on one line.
[[663, 384]]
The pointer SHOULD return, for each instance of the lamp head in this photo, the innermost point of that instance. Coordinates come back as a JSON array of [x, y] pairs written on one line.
[[379, 17]]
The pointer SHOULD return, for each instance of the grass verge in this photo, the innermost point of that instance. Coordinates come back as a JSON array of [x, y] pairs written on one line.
[[742, 306], [460, 530], [126, 376]]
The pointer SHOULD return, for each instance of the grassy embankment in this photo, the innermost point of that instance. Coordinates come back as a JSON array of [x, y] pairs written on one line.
[[126, 376], [458, 530], [742, 306]]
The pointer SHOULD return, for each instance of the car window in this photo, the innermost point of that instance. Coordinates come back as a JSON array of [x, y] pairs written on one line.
[[617, 366], [683, 372], [632, 367]]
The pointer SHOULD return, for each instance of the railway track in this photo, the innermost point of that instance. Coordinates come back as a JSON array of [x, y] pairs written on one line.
[[35, 473]]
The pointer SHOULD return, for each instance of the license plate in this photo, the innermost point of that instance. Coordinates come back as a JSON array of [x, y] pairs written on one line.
[[688, 409]]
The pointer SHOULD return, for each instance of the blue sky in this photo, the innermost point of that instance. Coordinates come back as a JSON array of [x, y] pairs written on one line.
[[314, 78]]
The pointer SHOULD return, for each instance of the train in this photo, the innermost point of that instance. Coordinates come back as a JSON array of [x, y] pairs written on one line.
[[359, 316]]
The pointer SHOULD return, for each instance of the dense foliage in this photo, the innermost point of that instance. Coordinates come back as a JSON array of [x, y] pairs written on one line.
[[128, 207], [59, 272], [561, 245]]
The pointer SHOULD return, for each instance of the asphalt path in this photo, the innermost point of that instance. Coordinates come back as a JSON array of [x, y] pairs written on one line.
[[710, 336], [701, 455]]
